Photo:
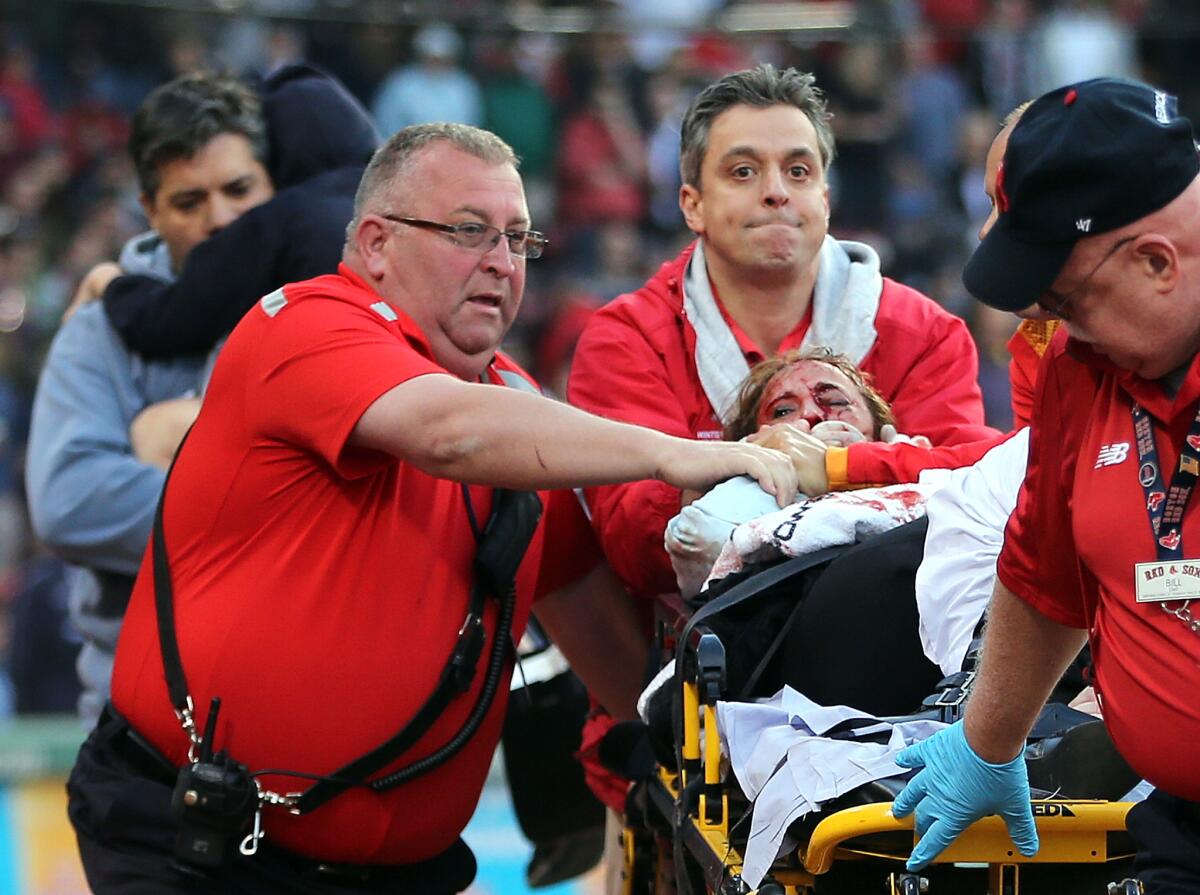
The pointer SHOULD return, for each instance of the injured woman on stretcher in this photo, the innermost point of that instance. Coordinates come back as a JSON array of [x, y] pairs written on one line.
[[897, 609], [888, 621]]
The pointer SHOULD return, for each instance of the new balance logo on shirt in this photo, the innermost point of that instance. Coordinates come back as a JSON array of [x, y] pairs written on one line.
[[1112, 454]]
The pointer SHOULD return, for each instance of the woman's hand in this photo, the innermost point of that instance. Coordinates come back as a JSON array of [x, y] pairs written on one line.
[[157, 431], [835, 433], [94, 282]]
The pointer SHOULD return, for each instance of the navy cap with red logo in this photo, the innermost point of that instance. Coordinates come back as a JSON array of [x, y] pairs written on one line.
[[1084, 159]]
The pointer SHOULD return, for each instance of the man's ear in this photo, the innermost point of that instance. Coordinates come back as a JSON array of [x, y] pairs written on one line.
[[147, 203], [691, 203], [370, 241], [1159, 258]]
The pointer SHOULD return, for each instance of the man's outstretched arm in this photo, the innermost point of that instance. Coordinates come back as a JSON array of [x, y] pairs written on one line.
[[1025, 654], [976, 767], [491, 435]]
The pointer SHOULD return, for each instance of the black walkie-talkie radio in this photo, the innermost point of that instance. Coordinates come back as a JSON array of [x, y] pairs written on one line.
[[215, 799]]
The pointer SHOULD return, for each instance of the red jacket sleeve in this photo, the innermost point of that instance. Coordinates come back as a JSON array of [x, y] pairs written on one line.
[[871, 463], [618, 374]]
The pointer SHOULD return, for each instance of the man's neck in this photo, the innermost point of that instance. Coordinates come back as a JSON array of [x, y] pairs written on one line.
[[767, 309], [470, 368]]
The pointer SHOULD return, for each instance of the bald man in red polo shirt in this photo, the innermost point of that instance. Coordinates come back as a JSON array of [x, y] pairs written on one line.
[[320, 529]]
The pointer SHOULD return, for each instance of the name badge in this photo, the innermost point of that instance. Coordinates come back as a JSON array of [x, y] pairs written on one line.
[[1156, 582]]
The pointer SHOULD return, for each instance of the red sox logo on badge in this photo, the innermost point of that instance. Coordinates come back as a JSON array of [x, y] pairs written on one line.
[[1194, 443], [1170, 540], [1147, 474], [1154, 501]]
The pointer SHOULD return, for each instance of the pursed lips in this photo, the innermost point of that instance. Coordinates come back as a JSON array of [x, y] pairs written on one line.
[[774, 222]]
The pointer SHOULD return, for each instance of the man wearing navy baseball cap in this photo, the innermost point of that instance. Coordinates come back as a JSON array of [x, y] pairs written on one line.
[[1098, 225]]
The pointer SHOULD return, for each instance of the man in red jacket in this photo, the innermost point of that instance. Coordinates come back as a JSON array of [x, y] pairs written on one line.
[[763, 276]]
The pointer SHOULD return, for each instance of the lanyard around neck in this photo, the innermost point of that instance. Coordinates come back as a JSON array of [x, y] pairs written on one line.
[[1165, 506]]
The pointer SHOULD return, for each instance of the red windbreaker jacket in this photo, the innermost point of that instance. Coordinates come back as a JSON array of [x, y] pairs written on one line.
[[636, 362]]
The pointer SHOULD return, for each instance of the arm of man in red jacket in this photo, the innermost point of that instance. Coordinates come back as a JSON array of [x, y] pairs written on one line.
[[934, 391], [870, 463]]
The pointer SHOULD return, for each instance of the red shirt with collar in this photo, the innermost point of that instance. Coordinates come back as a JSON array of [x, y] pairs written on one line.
[[1079, 528], [319, 587], [636, 362], [751, 351]]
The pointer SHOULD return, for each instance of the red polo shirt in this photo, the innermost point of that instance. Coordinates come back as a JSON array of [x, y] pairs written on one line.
[[1079, 528], [319, 587]]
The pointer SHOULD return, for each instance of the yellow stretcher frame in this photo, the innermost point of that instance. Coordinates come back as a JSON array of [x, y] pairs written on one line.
[[1071, 831]]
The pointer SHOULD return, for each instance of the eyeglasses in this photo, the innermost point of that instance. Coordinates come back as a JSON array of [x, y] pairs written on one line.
[[1063, 299], [473, 235]]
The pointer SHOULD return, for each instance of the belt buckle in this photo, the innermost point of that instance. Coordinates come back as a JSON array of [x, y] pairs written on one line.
[[350, 872]]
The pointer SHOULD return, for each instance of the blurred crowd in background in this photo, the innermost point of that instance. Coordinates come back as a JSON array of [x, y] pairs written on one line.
[[917, 89]]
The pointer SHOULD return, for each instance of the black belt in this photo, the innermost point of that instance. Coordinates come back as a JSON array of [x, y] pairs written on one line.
[[146, 760], [141, 756]]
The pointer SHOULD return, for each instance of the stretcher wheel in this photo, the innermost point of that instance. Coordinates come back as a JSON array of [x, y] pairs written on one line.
[[907, 884], [1125, 887]]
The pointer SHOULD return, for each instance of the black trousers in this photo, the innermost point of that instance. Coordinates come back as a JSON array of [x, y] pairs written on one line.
[[856, 641], [119, 801], [1167, 833]]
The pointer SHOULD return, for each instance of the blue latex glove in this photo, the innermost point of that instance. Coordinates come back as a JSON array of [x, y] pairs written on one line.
[[955, 788]]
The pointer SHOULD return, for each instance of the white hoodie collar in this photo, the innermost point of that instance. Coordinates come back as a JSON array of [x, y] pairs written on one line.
[[845, 301]]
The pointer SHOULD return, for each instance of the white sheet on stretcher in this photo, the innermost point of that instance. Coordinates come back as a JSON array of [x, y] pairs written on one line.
[[787, 768], [826, 521]]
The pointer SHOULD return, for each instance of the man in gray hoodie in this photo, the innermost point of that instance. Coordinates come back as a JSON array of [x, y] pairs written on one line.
[[108, 415]]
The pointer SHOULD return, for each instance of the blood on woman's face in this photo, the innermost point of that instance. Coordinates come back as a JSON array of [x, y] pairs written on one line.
[[813, 391]]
